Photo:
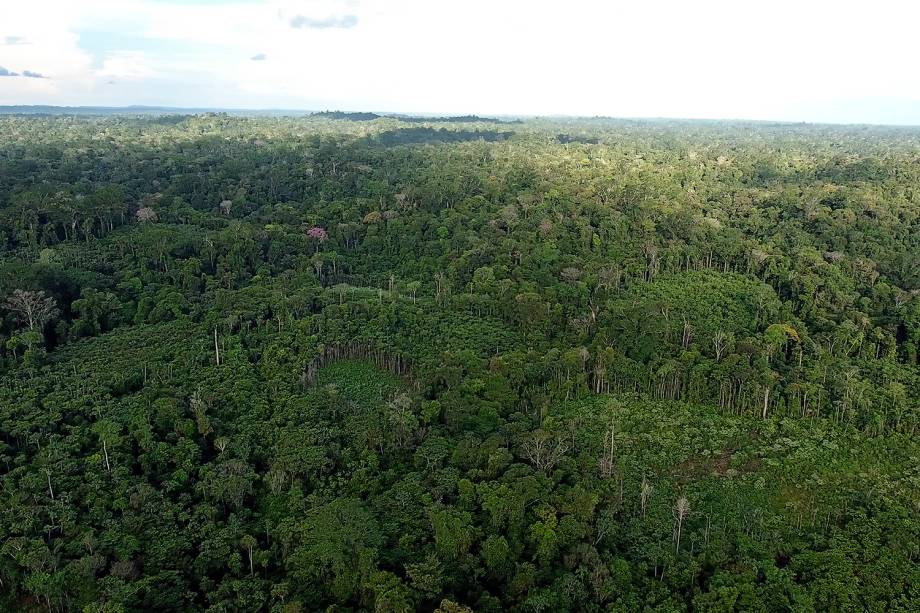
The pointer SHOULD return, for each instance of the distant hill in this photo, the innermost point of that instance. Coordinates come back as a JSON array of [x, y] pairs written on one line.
[[139, 110], [453, 119], [347, 116], [135, 110]]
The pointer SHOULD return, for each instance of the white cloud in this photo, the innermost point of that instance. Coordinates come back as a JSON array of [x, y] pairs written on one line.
[[126, 65], [784, 59]]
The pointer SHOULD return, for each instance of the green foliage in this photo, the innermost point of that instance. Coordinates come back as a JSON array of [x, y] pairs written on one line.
[[548, 365], [358, 382]]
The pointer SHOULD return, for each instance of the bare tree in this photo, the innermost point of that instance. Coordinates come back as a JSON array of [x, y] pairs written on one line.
[[681, 508], [687, 334], [543, 450], [34, 309], [652, 260], [609, 277], [441, 286], [719, 343], [645, 492], [249, 543], [607, 462]]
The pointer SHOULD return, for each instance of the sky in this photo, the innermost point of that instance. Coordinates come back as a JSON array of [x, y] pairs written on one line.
[[805, 60]]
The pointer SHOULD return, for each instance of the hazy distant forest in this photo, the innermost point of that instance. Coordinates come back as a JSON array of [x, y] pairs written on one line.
[[348, 362]]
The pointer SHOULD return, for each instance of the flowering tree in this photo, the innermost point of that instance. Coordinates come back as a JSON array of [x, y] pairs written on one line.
[[317, 233]]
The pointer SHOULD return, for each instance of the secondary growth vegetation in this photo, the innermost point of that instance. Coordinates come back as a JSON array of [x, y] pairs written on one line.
[[368, 362]]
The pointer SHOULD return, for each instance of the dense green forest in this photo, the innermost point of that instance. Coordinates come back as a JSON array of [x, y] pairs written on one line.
[[319, 363]]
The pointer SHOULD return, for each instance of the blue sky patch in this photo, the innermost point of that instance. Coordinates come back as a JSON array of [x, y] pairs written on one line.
[[104, 43]]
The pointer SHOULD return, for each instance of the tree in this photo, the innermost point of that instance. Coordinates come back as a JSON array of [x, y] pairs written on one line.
[[248, 543], [645, 493], [146, 215], [35, 309], [681, 508], [338, 548], [453, 531], [543, 449], [96, 311]]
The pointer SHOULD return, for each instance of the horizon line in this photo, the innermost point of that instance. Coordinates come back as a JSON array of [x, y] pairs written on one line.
[[191, 110]]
